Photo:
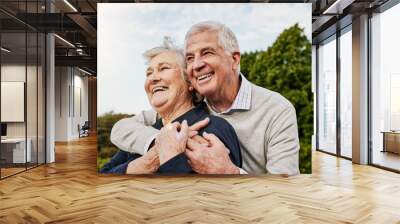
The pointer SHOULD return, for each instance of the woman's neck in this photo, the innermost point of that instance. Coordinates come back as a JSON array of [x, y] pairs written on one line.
[[178, 110]]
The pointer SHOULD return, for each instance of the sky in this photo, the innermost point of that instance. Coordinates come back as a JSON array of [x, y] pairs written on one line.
[[126, 30]]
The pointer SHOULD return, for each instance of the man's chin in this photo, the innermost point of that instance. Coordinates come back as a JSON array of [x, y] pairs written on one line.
[[206, 89], [206, 93]]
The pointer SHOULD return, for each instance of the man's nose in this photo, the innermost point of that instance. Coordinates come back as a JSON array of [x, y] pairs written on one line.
[[198, 64]]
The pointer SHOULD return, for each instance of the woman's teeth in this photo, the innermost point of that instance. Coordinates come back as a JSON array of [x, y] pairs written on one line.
[[159, 88]]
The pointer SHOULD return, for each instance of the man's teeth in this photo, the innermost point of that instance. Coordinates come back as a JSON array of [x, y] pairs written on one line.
[[159, 88], [204, 76]]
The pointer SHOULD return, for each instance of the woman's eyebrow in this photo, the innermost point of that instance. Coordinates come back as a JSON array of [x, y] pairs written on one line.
[[163, 63], [149, 69]]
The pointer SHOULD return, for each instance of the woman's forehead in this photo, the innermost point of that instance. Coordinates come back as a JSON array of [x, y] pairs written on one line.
[[168, 57]]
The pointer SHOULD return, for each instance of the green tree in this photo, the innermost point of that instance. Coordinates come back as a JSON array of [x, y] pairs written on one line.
[[285, 67], [105, 148]]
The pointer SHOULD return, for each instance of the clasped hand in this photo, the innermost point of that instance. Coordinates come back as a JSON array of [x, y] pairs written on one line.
[[206, 154], [171, 141]]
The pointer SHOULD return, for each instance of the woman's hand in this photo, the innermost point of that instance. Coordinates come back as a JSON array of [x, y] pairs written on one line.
[[147, 164], [171, 141]]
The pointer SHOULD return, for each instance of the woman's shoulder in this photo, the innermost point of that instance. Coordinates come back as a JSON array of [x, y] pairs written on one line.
[[219, 124]]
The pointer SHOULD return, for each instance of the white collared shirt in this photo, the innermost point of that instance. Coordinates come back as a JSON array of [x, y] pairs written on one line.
[[242, 100]]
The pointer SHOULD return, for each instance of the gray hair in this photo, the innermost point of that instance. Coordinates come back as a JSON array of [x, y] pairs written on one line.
[[169, 46], [226, 38]]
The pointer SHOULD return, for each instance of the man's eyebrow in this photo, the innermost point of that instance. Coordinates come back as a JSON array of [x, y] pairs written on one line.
[[207, 49]]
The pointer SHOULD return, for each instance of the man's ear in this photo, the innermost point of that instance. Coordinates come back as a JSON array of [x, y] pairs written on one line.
[[236, 60]]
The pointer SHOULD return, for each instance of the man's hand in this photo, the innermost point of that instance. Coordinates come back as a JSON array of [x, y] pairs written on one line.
[[194, 128], [200, 139], [172, 140], [149, 163], [211, 159]]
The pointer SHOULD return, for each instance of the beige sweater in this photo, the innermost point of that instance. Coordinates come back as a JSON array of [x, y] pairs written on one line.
[[267, 133]]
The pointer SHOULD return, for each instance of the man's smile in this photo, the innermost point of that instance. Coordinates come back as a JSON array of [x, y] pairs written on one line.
[[204, 77]]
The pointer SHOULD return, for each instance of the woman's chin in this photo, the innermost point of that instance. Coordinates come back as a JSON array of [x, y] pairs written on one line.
[[158, 104]]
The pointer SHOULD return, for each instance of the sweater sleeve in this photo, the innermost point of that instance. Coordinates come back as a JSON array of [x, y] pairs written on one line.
[[282, 144], [135, 134], [118, 163], [177, 165]]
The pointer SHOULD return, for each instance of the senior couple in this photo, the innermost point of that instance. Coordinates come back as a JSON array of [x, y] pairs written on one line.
[[207, 117]]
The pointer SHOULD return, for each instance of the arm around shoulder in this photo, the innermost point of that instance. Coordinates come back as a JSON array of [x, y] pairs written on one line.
[[282, 143], [135, 134]]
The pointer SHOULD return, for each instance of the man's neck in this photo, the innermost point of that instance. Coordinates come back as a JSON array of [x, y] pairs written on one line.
[[226, 96]]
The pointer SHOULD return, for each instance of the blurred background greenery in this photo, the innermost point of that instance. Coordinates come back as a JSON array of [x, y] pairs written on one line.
[[105, 149], [285, 67]]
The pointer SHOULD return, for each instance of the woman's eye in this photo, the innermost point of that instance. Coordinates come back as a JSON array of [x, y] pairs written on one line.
[[163, 68]]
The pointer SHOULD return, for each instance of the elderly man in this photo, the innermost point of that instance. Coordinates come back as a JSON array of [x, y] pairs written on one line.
[[264, 121]]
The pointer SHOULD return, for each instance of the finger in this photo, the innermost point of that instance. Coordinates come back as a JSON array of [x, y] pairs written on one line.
[[176, 125], [214, 140], [211, 138], [200, 140], [193, 145], [192, 133], [184, 128], [184, 132], [200, 124], [189, 154]]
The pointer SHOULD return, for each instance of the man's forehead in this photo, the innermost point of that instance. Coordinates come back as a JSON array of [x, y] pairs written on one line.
[[202, 40]]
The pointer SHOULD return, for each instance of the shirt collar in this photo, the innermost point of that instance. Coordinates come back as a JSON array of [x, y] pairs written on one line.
[[243, 97]]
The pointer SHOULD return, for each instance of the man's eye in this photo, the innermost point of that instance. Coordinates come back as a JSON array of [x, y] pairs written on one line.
[[189, 59]]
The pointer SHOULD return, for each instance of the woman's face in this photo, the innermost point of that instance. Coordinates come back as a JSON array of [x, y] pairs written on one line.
[[165, 86]]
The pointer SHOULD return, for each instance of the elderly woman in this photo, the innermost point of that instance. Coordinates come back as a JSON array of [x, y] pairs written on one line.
[[177, 104]]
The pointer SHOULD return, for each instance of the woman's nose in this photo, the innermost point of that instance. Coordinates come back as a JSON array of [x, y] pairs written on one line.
[[154, 77]]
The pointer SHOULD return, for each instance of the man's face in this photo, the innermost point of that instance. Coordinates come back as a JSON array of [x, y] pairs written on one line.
[[209, 67]]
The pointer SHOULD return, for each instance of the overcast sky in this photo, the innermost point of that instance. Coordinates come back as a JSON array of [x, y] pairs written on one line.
[[126, 30]]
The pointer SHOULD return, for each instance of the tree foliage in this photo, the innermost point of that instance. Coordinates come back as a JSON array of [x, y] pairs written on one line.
[[105, 148], [285, 67]]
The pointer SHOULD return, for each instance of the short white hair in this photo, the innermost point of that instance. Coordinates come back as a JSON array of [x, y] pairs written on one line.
[[226, 38], [167, 46]]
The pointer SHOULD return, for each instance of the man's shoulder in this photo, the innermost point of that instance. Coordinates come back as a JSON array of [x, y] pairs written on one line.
[[267, 98]]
